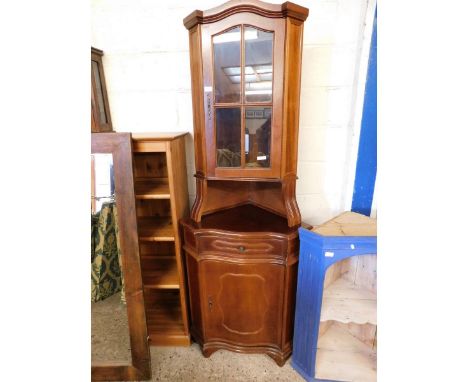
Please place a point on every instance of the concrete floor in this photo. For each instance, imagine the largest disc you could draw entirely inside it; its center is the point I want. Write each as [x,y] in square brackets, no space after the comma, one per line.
[179,364]
[110,340]
[188,364]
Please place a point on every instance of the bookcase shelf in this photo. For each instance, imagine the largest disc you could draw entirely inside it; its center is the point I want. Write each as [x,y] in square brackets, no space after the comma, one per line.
[165,319]
[346,302]
[343,357]
[161,195]
[160,273]
[155,229]
[152,188]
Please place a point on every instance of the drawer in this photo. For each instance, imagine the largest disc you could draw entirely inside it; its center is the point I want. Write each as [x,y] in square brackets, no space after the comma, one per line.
[250,246]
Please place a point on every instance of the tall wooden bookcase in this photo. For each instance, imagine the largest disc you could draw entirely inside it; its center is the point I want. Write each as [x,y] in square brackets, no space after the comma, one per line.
[161,200]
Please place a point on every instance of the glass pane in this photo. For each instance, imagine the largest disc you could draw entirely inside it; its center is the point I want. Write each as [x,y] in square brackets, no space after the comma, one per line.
[226,48]
[100,96]
[257,140]
[258,65]
[110,339]
[228,137]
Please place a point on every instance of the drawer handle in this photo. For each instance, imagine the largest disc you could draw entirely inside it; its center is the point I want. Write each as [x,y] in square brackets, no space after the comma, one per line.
[241,249]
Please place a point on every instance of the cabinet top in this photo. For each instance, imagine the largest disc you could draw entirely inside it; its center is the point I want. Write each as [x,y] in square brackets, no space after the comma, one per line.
[348,224]
[232,7]
[246,218]
[157,136]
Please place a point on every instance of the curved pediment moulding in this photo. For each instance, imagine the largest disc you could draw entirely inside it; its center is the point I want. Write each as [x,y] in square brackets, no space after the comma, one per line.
[232,7]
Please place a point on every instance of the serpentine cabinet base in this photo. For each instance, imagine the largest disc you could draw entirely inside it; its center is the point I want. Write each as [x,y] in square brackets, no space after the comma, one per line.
[242,285]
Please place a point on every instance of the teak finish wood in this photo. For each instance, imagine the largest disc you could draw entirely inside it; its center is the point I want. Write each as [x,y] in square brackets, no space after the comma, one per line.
[96,125]
[241,239]
[261,8]
[208,30]
[160,165]
[286,21]
[120,146]
[242,267]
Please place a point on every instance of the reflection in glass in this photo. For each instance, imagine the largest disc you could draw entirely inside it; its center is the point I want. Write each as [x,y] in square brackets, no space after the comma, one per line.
[258,65]
[100,96]
[226,47]
[257,140]
[110,340]
[228,137]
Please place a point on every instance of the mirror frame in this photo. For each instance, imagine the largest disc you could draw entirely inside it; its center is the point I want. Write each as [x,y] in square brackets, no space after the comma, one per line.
[120,146]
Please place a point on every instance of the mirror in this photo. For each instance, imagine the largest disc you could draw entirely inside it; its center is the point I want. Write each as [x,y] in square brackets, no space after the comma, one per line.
[119,344]
[109,325]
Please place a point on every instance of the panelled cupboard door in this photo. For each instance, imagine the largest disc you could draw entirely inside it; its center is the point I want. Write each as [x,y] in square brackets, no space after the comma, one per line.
[243,87]
[243,302]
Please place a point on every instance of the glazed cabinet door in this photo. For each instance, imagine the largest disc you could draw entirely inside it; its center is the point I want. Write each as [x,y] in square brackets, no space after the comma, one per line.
[243,87]
[242,302]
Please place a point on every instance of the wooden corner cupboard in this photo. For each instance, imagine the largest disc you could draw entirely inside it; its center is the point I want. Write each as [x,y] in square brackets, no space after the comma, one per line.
[336,312]
[161,199]
[241,239]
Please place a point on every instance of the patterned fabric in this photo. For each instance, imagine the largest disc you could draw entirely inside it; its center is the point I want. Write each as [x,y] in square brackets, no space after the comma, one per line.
[227,158]
[106,275]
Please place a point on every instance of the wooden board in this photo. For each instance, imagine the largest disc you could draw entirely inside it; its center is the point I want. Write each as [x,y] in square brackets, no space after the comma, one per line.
[366,271]
[153,207]
[155,229]
[348,224]
[154,137]
[346,302]
[157,188]
[342,357]
[164,319]
[160,273]
[157,249]
[150,165]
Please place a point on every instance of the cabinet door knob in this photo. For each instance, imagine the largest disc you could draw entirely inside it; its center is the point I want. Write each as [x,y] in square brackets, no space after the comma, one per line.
[241,249]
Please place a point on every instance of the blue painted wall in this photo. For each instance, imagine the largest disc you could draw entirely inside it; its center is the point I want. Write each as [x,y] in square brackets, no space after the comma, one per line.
[366,166]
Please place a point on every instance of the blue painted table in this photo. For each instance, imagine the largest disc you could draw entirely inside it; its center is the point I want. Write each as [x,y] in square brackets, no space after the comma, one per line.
[324,247]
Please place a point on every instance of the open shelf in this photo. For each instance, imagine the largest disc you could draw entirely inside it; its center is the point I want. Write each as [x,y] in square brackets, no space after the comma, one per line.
[164,318]
[152,188]
[345,302]
[155,229]
[343,357]
[157,250]
[160,273]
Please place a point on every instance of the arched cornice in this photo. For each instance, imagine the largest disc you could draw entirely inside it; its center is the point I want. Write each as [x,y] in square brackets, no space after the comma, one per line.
[232,7]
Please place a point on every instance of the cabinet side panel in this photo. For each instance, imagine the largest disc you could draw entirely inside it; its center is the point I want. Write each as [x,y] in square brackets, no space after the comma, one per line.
[289,304]
[292,87]
[179,175]
[196,70]
[177,172]
[194,292]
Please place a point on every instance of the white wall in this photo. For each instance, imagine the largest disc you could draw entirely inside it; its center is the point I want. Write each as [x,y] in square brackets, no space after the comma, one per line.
[147,70]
